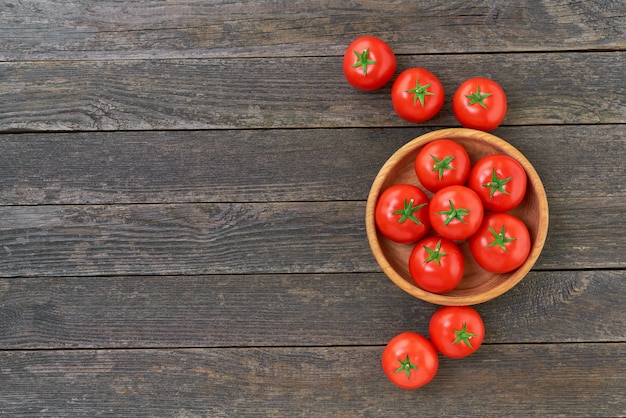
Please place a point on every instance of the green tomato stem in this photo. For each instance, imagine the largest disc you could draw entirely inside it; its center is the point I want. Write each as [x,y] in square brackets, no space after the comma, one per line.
[420,92]
[363,60]
[454,213]
[443,164]
[478,97]
[408,212]
[500,239]
[497,184]
[406,366]
[464,336]
[434,255]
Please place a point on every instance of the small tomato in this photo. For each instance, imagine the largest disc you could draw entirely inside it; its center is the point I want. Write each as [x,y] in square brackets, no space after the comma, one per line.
[417,95]
[455,212]
[501,244]
[369,63]
[401,213]
[500,182]
[436,264]
[479,103]
[410,360]
[442,163]
[456,331]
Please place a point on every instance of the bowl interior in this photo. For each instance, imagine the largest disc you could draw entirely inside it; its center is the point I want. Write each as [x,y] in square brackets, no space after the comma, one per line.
[477,285]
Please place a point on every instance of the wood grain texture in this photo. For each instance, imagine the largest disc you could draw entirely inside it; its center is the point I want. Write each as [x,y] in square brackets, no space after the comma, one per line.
[297,237]
[92,29]
[312,381]
[182,193]
[295,310]
[270,165]
[183,239]
[273,93]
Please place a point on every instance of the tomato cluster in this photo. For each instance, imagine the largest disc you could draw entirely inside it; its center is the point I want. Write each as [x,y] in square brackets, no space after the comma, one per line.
[457,201]
[417,95]
[410,359]
[468,203]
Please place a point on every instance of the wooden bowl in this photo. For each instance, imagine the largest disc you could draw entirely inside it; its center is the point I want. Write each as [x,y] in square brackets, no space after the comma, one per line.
[477,285]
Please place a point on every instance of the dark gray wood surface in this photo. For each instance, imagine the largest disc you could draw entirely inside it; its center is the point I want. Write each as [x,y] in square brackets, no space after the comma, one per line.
[182,193]
[294,92]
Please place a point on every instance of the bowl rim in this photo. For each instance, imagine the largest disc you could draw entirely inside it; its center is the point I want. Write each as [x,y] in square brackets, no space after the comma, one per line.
[444,299]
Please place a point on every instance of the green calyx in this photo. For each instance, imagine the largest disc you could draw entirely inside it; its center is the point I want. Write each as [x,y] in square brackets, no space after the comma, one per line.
[363,60]
[406,366]
[478,97]
[464,336]
[434,255]
[454,213]
[500,239]
[420,92]
[442,165]
[496,184]
[408,212]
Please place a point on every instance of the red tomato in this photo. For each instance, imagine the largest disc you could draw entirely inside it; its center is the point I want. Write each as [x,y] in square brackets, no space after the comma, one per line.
[369,63]
[436,264]
[499,180]
[456,331]
[410,360]
[442,163]
[417,95]
[501,244]
[401,213]
[455,212]
[479,103]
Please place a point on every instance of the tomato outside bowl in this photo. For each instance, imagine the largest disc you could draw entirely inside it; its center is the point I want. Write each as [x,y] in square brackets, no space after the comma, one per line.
[477,285]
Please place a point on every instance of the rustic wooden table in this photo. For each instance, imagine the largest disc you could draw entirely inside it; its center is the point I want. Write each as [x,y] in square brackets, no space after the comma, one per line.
[182,193]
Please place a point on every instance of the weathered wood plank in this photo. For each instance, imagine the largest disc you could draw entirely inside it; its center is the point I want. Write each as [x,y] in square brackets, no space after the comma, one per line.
[241,238]
[303,92]
[571,244]
[290,310]
[183,239]
[94,29]
[198,262]
[506,380]
[271,165]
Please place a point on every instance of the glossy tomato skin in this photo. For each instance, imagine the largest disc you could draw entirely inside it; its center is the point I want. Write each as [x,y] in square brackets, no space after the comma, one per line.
[501,244]
[417,95]
[401,213]
[369,63]
[500,181]
[455,212]
[442,163]
[456,331]
[410,360]
[436,264]
[479,103]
